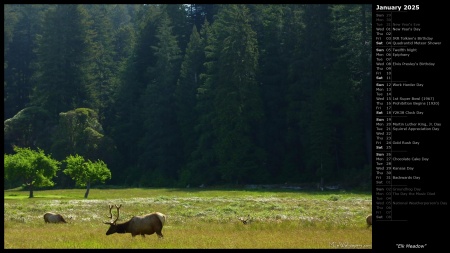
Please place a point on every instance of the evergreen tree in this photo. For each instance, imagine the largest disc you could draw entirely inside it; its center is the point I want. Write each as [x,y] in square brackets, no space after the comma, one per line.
[236,96]
[293,168]
[185,97]
[271,26]
[161,152]
[102,69]
[353,34]
[202,161]
[313,57]
[181,28]
[198,13]
[63,47]
[128,126]
[22,23]
[119,15]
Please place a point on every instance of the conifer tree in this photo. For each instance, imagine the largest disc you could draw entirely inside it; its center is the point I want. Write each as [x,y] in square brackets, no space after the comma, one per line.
[233,65]
[63,48]
[161,151]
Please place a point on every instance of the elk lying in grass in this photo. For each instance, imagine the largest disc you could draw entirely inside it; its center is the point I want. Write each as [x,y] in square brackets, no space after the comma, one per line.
[54,218]
[137,225]
[369,220]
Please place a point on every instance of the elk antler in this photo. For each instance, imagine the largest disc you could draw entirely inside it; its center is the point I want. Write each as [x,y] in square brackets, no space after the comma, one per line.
[118,213]
[110,214]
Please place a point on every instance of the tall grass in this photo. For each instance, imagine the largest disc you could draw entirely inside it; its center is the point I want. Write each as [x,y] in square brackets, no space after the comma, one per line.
[206,219]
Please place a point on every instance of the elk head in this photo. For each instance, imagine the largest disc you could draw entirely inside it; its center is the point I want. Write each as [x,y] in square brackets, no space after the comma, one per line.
[112,224]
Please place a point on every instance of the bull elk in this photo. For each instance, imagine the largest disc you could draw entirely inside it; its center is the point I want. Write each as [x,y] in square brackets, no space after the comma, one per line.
[138,225]
[54,218]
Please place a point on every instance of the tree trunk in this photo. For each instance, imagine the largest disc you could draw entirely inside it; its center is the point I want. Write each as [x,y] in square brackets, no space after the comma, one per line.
[88,186]
[31,191]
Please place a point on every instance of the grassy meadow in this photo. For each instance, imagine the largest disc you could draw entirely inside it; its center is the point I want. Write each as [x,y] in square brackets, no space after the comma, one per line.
[196,219]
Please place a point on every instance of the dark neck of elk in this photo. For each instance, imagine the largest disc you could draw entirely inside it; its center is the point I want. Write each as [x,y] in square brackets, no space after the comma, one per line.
[118,228]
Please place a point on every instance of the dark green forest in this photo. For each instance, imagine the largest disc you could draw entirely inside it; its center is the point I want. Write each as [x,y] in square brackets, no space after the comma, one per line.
[170,95]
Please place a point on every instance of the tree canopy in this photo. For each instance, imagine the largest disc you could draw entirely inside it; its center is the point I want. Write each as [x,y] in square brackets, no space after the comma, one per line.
[32,168]
[86,172]
[178,94]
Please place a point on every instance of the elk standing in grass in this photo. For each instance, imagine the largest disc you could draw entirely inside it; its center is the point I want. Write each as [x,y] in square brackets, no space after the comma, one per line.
[138,225]
[54,218]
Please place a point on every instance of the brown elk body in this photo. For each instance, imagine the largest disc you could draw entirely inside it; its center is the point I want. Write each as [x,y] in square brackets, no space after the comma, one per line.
[138,225]
[54,218]
[369,220]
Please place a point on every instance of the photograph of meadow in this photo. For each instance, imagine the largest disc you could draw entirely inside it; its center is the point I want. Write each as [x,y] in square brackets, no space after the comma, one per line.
[188,126]
[196,219]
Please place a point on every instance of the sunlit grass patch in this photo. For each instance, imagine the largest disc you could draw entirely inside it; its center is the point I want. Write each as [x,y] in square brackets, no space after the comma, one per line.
[200,219]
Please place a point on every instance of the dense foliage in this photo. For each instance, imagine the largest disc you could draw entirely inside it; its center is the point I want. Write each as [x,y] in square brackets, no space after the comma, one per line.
[33,168]
[192,94]
[87,172]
